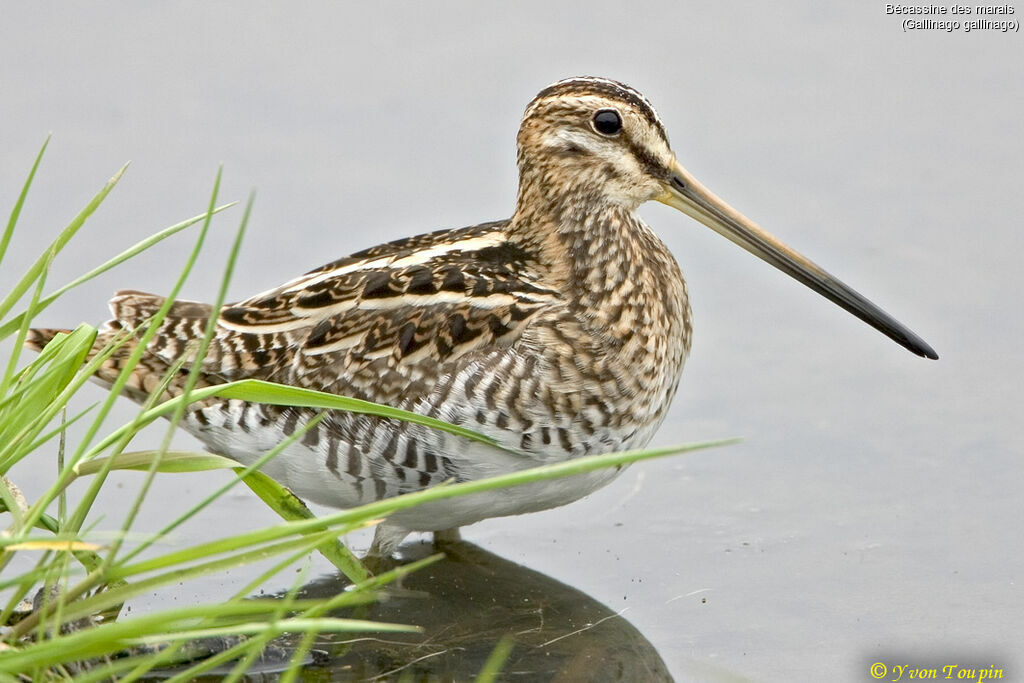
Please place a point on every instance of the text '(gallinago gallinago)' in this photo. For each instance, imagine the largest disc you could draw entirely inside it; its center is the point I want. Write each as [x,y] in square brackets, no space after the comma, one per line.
[558,332]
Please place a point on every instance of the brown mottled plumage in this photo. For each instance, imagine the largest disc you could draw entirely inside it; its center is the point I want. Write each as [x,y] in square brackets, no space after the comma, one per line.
[559,332]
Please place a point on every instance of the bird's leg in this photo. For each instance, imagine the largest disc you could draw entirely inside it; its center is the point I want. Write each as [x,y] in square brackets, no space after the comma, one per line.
[377,564]
[379,558]
[443,537]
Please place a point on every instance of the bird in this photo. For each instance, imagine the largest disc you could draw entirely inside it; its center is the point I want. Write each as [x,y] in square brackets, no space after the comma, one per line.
[559,332]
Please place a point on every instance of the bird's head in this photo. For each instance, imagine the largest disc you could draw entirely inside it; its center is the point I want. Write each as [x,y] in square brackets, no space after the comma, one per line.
[597,138]
[589,142]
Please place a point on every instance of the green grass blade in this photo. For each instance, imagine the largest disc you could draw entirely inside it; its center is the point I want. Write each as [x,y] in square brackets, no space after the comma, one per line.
[12,220]
[290,508]
[239,543]
[172,462]
[496,660]
[589,463]
[321,625]
[12,450]
[23,419]
[112,637]
[258,391]
[14,323]
[12,360]
[62,239]
[59,430]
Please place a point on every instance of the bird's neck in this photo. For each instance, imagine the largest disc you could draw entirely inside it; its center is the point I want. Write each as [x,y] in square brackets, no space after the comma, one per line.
[612,266]
[626,305]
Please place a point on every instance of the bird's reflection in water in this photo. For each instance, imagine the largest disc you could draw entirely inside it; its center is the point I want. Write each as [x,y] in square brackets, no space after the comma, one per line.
[466,603]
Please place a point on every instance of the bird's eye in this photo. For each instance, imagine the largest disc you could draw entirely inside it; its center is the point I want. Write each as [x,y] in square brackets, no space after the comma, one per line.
[607,122]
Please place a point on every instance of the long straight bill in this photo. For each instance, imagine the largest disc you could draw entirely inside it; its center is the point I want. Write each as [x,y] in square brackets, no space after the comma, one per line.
[684,192]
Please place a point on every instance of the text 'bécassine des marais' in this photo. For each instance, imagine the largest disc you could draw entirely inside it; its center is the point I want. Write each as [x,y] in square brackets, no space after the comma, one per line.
[949,9]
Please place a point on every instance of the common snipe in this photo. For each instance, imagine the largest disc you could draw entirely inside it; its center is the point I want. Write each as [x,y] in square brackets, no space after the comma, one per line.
[559,332]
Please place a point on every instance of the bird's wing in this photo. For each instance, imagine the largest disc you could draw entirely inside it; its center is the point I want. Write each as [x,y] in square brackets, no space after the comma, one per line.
[394,314]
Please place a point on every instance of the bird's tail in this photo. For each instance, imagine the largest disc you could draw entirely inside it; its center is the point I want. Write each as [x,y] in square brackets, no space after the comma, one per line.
[148,374]
[37,338]
[228,357]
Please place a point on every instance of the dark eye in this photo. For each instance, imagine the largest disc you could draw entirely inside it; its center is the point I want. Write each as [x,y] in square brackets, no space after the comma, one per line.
[607,122]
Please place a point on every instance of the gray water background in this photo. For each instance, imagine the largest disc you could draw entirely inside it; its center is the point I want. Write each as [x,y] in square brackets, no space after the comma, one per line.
[873,512]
